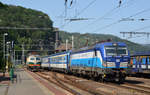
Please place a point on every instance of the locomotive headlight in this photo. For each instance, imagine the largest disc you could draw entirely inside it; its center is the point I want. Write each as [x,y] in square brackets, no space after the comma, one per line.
[104,64]
[111,64]
[123,64]
[114,44]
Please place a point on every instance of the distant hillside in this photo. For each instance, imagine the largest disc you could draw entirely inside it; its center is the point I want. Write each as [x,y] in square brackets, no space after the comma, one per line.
[17,16]
[147,45]
[80,40]
[41,41]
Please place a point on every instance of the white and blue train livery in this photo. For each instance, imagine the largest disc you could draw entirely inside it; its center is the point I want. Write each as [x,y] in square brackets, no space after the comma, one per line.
[59,61]
[105,60]
[45,62]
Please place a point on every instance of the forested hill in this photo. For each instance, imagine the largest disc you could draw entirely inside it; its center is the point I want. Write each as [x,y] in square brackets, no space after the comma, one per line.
[80,40]
[19,17]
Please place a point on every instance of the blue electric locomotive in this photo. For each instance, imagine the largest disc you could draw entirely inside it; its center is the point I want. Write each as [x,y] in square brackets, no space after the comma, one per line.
[106,61]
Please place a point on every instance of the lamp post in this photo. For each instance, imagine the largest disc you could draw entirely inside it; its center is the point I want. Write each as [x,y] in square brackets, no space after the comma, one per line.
[5,34]
[7,54]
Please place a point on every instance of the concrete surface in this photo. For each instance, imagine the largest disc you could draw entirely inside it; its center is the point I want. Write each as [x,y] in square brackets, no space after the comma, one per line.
[24,84]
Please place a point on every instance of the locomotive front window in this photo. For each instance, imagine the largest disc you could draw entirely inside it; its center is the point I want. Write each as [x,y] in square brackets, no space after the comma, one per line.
[31,58]
[110,51]
[114,51]
[121,51]
[37,58]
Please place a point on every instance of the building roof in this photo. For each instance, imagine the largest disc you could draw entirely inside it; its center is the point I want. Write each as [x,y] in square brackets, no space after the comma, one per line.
[62,47]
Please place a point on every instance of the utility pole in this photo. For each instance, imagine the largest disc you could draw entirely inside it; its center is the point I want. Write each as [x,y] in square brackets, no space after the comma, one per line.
[12,52]
[72,42]
[4,69]
[23,53]
[56,37]
[87,41]
[5,34]
[4,46]
[7,54]
[66,44]
[17,59]
[14,58]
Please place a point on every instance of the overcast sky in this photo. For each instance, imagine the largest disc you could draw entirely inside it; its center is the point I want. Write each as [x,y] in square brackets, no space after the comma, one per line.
[104,16]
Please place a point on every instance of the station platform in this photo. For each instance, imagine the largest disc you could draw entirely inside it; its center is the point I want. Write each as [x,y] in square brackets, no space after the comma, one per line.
[24,84]
[4,83]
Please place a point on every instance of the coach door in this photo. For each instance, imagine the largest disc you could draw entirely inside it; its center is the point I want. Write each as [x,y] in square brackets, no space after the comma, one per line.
[144,62]
[148,62]
[137,63]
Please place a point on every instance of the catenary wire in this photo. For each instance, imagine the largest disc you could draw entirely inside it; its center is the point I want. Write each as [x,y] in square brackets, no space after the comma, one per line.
[109,13]
[79,13]
[116,22]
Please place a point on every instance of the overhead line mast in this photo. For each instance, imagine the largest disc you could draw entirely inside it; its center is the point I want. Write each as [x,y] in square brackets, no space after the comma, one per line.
[135,33]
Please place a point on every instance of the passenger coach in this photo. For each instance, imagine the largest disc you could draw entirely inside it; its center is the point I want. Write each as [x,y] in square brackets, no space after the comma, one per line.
[140,62]
[45,62]
[59,61]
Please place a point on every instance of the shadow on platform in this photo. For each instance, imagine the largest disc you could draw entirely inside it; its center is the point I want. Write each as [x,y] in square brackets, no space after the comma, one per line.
[2,78]
[134,81]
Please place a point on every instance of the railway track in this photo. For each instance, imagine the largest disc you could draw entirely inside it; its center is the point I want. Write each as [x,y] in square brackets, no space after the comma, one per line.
[85,88]
[139,88]
[65,81]
[132,87]
[58,83]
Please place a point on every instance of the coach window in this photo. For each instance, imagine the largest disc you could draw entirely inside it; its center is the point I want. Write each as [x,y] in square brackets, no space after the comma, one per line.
[37,58]
[149,60]
[140,59]
[143,59]
[63,58]
[31,58]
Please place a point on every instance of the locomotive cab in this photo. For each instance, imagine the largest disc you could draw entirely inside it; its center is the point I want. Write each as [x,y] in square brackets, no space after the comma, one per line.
[116,57]
[116,61]
[33,62]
